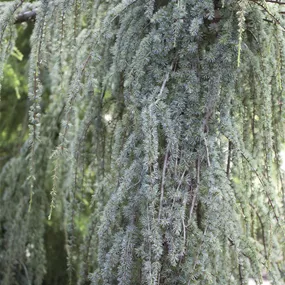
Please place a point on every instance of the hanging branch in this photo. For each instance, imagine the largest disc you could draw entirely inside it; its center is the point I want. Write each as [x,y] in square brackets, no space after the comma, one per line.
[274,18]
[26,16]
[28,11]
[30,15]
[275,2]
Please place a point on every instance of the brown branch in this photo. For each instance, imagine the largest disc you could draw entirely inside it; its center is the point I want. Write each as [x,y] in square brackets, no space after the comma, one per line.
[28,11]
[274,18]
[240,274]
[26,16]
[275,2]
[196,190]
[16,6]
[263,185]
[262,229]
[229,159]
[163,182]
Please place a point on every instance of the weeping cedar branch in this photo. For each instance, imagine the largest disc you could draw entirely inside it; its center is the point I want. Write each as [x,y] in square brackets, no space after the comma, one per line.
[30,15]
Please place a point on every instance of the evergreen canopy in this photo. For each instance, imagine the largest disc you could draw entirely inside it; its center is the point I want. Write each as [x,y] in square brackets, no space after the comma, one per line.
[152,154]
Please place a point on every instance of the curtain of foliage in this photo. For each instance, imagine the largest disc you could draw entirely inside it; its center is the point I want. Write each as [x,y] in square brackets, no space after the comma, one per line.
[153,149]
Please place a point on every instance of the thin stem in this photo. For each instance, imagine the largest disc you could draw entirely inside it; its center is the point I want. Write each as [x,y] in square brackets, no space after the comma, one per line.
[163,182]
[198,165]
[229,159]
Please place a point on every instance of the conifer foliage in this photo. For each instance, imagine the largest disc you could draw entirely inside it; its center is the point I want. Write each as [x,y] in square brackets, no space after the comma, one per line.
[156,159]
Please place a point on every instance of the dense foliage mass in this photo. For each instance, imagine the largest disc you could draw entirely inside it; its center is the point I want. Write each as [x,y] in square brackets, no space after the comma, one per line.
[149,152]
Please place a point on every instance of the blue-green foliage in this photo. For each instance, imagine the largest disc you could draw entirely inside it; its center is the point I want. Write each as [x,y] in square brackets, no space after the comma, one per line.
[164,130]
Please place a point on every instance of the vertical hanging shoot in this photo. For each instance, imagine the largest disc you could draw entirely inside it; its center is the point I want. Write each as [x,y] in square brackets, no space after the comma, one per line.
[242,8]
[37,59]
